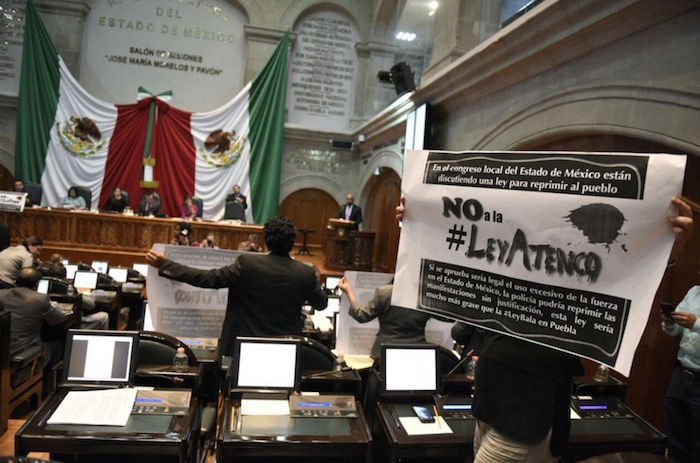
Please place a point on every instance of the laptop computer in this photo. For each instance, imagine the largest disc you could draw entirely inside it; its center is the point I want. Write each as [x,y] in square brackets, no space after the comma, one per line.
[100,266]
[43,287]
[99,359]
[120,274]
[266,367]
[85,281]
[70,271]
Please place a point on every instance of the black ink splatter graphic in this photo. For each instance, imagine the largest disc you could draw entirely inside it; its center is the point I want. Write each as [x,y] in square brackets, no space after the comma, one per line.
[601,223]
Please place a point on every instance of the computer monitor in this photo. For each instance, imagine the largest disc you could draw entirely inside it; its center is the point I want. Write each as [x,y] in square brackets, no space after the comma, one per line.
[141,268]
[70,271]
[85,280]
[400,364]
[65,262]
[43,287]
[100,266]
[100,357]
[266,363]
[120,274]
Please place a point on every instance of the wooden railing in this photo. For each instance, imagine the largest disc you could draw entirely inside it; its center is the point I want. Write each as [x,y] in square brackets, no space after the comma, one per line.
[122,240]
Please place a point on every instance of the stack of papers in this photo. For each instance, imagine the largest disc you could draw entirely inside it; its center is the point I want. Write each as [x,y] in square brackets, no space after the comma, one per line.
[110,407]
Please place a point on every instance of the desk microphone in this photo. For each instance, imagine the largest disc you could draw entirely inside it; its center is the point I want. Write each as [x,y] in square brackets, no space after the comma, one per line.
[464,359]
[173,379]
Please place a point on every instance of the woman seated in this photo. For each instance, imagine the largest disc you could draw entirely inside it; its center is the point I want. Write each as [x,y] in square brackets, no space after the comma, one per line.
[189,209]
[72,201]
[117,201]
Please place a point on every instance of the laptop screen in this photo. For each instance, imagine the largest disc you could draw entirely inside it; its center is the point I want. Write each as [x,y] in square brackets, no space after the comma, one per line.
[100,357]
[43,287]
[333,305]
[332,282]
[85,280]
[266,363]
[100,266]
[399,364]
[119,274]
[141,268]
[70,271]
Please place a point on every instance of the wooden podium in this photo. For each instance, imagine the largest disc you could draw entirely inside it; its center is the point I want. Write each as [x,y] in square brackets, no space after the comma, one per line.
[348,249]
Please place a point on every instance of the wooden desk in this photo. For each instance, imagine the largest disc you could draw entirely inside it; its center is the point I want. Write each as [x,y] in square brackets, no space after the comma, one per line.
[287,439]
[120,239]
[145,438]
[588,437]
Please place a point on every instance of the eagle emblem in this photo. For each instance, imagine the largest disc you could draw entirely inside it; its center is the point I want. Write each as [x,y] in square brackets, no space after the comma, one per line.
[222,149]
[80,136]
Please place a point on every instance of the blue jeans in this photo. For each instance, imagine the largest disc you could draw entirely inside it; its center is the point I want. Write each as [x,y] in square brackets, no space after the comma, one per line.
[683,418]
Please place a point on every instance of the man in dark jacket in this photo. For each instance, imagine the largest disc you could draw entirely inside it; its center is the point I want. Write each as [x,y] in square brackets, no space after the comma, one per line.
[266,291]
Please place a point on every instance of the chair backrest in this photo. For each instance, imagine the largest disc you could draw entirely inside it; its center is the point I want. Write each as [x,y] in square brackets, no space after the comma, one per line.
[448,361]
[57,285]
[157,348]
[125,194]
[315,356]
[86,195]
[200,206]
[106,282]
[234,211]
[34,191]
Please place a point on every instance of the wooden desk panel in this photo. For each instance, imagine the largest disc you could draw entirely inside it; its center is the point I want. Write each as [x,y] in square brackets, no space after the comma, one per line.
[86,236]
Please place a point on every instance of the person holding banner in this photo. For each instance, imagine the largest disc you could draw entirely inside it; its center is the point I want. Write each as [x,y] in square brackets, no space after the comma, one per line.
[396,324]
[265,291]
[522,390]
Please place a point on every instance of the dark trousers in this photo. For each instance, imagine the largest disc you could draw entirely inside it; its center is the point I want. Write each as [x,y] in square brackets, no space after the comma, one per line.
[683,418]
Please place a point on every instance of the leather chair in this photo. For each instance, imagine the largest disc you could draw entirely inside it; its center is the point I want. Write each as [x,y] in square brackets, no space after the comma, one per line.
[86,195]
[20,374]
[234,211]
[35,192]
[157,348]
[200,205]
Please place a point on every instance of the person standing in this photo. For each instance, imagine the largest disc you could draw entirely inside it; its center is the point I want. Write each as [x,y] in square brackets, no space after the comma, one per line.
[396,324]
[12,259]
[683,395]
[351,212]
[512,372]
[238,197]
[266,292]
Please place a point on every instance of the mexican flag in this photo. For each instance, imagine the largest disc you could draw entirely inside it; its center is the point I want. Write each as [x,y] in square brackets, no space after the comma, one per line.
[67,137]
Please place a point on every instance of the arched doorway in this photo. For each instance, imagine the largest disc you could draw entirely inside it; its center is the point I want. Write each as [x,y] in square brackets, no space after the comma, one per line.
[310,208]
[383,192]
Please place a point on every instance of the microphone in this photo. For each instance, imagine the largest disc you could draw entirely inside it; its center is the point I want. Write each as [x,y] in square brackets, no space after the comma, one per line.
[462,361]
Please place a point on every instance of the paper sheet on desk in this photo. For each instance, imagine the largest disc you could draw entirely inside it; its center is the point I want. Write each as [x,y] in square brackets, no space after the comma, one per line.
[110,407]
[264,407]
[414,427]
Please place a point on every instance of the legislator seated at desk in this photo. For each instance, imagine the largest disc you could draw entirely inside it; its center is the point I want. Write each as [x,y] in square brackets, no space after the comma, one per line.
[265,420]
[100,366]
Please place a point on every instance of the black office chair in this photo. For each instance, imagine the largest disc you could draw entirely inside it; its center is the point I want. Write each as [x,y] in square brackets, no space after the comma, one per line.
[86,194]
[157,348]
[234,211]
[315,356]
[135,276]
[57,285]
[106,282]
[35,192]
[200,205]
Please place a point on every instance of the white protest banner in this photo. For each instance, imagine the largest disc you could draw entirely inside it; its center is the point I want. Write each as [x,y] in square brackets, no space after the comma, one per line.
[182,310]
[12,201]
[355,338]
[562,249]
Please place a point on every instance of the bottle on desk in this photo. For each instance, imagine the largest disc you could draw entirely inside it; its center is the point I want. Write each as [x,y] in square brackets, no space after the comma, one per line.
[471,368]
[339,364]
[602,374]
[181,363]
[308,323]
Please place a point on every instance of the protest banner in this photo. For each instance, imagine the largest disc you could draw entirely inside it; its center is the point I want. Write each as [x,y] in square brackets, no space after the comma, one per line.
[565,250]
